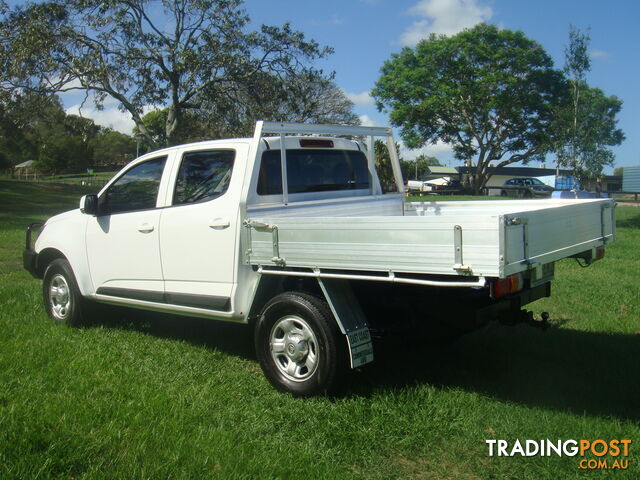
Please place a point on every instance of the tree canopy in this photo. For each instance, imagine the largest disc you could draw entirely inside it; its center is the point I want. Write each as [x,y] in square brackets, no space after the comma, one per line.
[36,127]
[176,55]
[303,98]
[585,126]
[489,93]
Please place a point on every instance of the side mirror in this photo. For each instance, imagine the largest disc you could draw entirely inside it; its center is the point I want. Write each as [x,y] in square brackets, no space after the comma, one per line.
[89,204]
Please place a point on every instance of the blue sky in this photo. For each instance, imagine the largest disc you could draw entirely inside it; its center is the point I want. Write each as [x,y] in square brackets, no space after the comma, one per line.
[364,33]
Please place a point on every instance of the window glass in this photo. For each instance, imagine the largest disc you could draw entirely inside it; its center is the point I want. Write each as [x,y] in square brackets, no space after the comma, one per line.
[203,176]
[137,189]
[313,170]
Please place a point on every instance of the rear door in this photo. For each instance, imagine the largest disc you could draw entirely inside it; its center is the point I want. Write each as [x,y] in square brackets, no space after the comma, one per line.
[198,229]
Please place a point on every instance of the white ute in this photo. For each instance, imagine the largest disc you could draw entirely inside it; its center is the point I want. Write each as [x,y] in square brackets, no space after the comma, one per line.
[292,233]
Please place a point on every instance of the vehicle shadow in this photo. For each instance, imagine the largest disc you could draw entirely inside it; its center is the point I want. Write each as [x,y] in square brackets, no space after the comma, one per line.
[231,338]
[561,369]
[630,222]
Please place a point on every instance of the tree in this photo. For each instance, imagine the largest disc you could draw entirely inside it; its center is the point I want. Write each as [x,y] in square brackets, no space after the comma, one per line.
[112,148]
[196,51]
[489,93]
[577,63]
[586,126]
[418,168]
[35,127]
[192,128]
[305,98]
[383,165]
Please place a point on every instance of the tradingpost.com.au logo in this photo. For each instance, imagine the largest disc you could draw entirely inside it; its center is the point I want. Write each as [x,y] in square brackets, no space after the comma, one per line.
[594,454]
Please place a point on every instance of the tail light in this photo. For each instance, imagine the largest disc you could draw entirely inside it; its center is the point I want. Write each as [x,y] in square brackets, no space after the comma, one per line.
[501,287]
[316,143]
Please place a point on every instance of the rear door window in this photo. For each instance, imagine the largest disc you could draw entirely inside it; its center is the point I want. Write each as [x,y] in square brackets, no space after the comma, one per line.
[203,176]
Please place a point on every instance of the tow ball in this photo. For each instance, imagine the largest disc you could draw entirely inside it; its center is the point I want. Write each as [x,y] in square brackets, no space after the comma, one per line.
[529,319]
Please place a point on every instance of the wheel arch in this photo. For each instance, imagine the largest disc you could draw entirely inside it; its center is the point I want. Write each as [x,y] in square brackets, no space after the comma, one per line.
[343,302]
[271,285]
[45,257]
[77,262]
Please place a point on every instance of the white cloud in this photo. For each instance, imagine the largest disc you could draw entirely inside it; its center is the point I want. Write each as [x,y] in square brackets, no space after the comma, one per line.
[438,150]
[363,99]
[598,54]
[445,17]
[367,121]
[110,116]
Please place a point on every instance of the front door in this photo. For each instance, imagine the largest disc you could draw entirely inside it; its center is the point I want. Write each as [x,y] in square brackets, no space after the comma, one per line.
[123,240]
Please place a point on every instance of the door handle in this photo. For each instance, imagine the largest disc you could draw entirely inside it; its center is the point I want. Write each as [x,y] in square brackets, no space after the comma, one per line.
[219,223]
[146,228]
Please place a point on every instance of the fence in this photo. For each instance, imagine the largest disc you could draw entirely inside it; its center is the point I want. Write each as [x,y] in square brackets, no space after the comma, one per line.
[96,181]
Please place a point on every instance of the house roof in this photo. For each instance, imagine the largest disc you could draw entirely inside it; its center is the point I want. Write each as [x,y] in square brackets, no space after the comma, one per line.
[27,164]
[443,170]
[518,171]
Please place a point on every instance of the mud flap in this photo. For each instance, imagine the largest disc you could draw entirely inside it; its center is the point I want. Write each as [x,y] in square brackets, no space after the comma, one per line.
[351,320]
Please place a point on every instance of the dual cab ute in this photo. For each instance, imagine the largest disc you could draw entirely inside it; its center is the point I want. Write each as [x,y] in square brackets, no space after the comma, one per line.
[291,233]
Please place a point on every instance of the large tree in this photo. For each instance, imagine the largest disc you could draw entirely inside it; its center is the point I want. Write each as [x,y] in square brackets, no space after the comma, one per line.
[302,98]
[489,93]
[35,127]
[586,125]
[174,54]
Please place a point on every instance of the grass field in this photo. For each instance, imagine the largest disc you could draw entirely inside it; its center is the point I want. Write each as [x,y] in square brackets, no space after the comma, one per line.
[148,396]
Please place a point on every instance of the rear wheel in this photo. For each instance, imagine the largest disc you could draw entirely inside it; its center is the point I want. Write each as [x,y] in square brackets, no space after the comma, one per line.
[62,298]
[300,349]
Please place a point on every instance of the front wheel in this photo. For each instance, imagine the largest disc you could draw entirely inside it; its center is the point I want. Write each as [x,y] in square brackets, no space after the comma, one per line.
[62,298]
[299,347]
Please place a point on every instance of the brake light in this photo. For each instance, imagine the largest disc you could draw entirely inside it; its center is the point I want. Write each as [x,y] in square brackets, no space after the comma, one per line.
[310,142]
[501,287]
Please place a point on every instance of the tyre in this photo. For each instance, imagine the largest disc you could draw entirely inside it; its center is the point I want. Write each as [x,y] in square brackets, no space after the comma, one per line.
[503,193]
[298,344]
[62,299]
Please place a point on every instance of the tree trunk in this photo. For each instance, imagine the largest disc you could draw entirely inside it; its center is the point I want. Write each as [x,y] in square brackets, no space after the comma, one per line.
[171,127]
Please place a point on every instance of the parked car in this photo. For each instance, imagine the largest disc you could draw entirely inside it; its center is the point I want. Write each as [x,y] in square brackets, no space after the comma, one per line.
[414,186]
[525,188]
[452,187]
[313,256]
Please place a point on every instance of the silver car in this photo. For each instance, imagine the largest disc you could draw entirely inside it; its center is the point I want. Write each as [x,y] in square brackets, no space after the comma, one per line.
[525,187]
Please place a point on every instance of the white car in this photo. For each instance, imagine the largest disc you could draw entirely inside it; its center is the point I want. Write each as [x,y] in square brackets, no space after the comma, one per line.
[292,233]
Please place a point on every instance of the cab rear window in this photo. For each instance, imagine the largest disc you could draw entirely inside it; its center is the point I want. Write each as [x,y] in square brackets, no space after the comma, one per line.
[313,170]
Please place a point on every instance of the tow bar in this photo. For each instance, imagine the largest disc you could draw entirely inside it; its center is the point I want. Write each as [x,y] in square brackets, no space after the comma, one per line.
[526,316]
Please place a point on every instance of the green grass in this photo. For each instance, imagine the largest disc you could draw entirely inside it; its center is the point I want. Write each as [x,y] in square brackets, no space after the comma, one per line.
[148,396]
